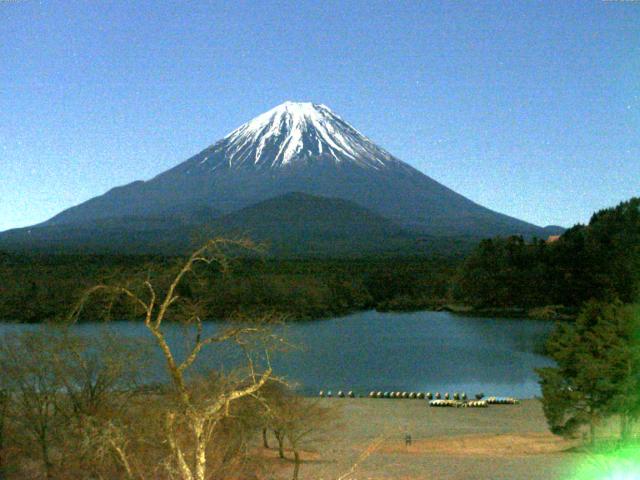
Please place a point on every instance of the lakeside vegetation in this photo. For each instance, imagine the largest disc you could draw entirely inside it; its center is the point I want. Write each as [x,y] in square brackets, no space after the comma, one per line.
[599,261]
[501,276]
[43,287]
[597,371]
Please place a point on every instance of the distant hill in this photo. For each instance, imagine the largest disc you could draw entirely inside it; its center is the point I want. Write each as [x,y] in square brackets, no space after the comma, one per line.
[299,223]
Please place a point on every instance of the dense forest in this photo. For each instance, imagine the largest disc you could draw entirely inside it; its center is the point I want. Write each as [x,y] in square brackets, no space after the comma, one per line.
[600,260]
[36,288]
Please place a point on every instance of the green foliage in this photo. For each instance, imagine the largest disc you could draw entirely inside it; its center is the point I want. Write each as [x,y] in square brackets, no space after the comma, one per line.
[599,261]
[612,246]
[37,288]
[598,368]
[505,272]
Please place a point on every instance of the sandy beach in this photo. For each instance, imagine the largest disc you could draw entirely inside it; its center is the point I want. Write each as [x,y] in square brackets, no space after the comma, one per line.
[508,442]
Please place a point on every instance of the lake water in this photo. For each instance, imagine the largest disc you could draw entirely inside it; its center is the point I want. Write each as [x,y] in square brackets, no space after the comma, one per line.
[418,351]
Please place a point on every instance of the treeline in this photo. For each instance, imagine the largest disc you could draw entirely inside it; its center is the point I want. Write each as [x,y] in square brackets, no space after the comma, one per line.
[599,261]
[35,288]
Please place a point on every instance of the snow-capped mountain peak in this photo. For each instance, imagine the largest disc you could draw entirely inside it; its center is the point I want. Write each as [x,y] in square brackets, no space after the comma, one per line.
[294,147]
[293,132]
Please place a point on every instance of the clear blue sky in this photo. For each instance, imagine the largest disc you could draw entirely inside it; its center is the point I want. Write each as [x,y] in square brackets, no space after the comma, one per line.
[529,108]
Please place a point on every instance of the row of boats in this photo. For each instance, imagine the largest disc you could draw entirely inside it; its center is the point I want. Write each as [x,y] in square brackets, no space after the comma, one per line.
[475,403]
[435,399]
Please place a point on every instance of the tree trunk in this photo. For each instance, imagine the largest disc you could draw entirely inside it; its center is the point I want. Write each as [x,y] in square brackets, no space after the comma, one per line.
[201,453]
[280,438]
[592,432]
[265,440]
[48,466]
[296,465]
[183,467]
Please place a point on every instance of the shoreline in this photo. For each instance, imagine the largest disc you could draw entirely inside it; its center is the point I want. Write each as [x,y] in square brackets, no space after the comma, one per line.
[551,313]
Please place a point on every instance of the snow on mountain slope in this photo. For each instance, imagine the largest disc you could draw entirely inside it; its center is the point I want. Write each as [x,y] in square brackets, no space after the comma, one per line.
[295,131]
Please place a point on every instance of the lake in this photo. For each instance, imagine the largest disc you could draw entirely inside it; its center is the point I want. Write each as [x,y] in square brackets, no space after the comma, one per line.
[418,351]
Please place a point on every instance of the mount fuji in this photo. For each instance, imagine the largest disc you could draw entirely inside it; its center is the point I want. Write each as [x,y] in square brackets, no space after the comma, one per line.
[294,147]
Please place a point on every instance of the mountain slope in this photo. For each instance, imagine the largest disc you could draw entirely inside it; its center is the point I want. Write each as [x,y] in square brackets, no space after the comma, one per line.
[291,224]
[301,147]
[169,231]
[298,223]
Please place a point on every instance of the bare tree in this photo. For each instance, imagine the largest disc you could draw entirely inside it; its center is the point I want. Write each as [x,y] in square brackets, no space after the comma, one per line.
[294,419]
[33,390]
[56,383]
[191,419]
[306,420]
[274,396]
[98,378]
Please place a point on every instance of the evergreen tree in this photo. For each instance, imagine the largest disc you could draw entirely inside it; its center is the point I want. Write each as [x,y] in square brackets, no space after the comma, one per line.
[624,352]
[597,372]
[600,260]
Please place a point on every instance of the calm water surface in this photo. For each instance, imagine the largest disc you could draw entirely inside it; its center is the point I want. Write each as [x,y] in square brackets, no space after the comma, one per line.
[419,351]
